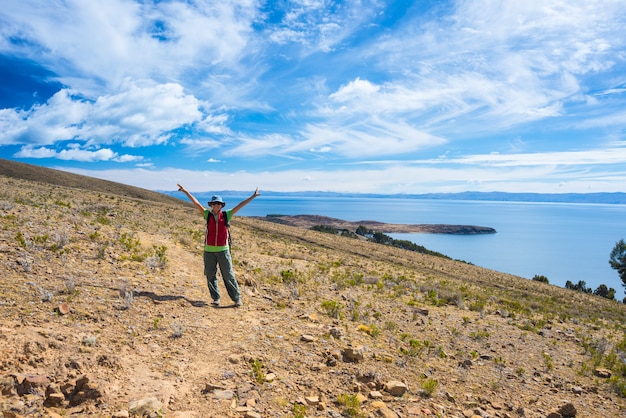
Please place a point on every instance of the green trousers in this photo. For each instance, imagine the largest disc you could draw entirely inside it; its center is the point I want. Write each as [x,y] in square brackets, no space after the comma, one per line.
[225,262]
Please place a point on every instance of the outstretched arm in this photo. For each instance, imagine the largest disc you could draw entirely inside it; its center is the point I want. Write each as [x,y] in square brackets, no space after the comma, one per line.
[245,202]
[192,198]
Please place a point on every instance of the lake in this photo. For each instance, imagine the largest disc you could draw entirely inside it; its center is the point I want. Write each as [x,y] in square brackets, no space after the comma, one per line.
[562,241]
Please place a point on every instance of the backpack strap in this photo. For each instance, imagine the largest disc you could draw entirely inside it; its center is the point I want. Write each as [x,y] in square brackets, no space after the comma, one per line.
[227,224]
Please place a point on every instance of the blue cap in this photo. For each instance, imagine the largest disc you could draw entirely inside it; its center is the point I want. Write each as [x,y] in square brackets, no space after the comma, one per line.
[217,199]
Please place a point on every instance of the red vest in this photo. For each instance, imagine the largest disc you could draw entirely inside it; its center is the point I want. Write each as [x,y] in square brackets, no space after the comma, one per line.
[216,233]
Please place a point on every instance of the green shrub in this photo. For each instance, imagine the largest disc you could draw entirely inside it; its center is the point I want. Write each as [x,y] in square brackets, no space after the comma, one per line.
[299,410]
[429,386]
[288,276]
[351,405]
[332,308]
[257,371]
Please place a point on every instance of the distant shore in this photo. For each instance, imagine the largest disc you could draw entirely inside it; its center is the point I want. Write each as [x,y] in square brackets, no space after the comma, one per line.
[309,221]
[618,198]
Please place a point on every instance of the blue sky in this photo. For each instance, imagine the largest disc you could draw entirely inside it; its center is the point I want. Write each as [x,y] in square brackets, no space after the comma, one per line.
[357,96]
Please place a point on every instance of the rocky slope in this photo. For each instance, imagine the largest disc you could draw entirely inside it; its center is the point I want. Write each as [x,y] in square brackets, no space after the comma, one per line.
[103,312]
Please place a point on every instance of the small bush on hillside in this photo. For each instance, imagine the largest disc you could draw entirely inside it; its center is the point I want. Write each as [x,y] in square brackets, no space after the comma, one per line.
[257,372]
[299,410]
[156,257]
[429,386]
[288,276]
[332,308]
[351,405]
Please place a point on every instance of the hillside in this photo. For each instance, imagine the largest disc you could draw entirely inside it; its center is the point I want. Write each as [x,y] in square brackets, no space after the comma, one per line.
[105,313]
[17,170]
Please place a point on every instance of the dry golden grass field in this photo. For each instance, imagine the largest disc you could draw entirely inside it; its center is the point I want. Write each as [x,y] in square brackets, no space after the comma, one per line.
[104,311]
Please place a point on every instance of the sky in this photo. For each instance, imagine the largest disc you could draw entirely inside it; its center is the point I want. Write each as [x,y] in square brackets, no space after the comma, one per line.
[364,96]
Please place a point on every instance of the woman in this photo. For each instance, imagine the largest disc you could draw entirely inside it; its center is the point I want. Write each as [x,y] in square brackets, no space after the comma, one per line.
[216,248]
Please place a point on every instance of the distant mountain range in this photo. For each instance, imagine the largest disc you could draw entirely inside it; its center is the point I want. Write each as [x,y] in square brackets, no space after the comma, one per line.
[600,198]
[16,169]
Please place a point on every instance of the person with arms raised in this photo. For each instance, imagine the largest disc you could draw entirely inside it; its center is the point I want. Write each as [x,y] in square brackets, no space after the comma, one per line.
[216,245]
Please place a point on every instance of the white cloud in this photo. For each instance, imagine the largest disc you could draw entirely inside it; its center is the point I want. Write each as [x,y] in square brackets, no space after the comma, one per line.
[33,152]
[123,38]
[563,158]
[141,116]
[355,90]
[371,137]
[506,62]
[320,25]
[74,153]
[267,144]
[322,149]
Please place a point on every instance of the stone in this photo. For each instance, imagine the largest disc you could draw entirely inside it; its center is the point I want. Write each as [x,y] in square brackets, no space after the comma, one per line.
[63,308]
[210,387]
[307,338]
[32,384]
[413,411]
[353,354]
[144,407]
[396,388]
[577,390]
[223,394]
[497,406]
[568,410]
[54,400]
[385,412]
[375,394]
[603,373]
[251,414]
[422,311]
[467,363]
[336,333]
[234,359]
[84,390]
[7,386]
[480,413]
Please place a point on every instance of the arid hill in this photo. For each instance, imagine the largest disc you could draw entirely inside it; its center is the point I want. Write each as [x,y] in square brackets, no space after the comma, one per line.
[104,312]
[17,170]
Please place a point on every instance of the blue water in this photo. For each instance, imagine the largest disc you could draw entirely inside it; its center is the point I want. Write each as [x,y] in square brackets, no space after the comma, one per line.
[561,241]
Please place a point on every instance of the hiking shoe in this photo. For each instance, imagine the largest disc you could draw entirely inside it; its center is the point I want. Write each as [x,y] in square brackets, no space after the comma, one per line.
[216,302]
[238,303]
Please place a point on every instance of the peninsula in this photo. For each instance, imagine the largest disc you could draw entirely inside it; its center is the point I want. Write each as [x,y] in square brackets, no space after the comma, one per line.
[309,221]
